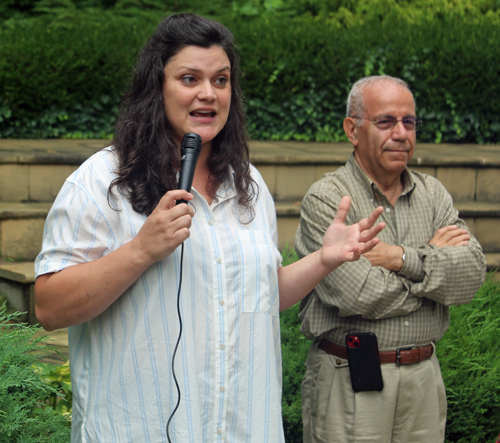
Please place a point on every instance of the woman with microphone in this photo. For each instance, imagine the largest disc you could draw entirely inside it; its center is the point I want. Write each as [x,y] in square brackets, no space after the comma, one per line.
[110,266]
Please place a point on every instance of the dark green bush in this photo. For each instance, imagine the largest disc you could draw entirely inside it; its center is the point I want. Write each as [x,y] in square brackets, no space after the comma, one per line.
[24,415]
[62,72]
[470,363]
[294,347]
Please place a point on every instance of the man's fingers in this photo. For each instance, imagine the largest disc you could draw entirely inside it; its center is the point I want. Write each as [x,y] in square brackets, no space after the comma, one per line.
[449,236]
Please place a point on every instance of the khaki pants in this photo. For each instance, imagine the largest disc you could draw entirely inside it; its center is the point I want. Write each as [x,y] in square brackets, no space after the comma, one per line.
[410,409]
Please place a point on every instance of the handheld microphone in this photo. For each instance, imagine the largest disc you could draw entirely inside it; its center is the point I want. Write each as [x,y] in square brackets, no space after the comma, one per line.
[190,151]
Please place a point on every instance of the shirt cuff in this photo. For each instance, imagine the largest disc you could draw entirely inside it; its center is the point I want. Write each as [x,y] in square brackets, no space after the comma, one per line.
[413,265]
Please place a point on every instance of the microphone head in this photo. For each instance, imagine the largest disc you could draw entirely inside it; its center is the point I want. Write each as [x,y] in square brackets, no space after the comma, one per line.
[191,141]
[190,151]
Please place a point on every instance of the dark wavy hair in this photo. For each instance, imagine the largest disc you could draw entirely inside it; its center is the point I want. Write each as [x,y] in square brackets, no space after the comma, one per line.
[148,155]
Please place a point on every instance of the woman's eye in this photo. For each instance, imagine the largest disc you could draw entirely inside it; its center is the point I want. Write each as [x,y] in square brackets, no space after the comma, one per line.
[188,79]
[222,81]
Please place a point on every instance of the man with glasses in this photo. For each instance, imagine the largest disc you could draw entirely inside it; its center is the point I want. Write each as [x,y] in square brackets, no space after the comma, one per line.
[400,291]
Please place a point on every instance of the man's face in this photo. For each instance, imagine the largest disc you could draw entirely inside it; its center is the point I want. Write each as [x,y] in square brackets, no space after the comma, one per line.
[384,153]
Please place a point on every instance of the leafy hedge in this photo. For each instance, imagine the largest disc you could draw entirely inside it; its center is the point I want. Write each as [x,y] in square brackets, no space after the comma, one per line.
[62,72]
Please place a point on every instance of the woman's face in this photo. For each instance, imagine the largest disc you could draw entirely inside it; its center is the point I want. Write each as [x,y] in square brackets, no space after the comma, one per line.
[197,92]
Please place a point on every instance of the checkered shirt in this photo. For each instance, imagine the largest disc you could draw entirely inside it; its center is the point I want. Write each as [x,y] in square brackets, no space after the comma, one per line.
[409,307]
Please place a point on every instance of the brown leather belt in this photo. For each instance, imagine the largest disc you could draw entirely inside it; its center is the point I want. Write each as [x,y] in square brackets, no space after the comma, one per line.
[401,356]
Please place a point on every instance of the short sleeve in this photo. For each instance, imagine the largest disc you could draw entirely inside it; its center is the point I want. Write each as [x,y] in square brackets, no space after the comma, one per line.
[76,231]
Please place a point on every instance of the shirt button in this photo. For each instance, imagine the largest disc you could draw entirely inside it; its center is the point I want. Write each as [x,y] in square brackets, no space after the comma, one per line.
[222,388]
[407,323]
[222,347]
[221,302]
[387,210]
[210,223]
[219,260]
[219,431]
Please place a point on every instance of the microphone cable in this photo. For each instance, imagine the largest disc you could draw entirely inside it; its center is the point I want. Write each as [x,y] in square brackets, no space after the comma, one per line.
[177,345]
[190,152]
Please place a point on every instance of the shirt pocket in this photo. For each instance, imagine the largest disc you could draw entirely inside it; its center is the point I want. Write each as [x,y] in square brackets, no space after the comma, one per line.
[257,279]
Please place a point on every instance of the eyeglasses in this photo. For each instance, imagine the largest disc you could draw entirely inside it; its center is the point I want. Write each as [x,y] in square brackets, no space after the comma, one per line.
[386,123]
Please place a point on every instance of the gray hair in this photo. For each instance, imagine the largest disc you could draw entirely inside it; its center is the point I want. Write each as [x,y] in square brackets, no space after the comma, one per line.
[355,104]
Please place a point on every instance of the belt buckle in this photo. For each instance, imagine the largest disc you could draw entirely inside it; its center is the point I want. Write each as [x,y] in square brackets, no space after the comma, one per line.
[398,356]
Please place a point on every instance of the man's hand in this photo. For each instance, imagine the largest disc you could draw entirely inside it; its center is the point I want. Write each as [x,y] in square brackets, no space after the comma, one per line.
[450,236]
[346,243]
[387,256]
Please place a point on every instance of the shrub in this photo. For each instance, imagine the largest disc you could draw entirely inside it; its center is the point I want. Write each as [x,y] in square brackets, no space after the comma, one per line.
[294,348]
[470,364]
[24,416]
[62,72]
[59,378]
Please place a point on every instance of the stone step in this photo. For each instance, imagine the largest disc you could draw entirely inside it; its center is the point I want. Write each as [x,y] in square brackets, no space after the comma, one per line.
[58,341]
[469,172]
[16,284]
[21,226]
[482,218]
[493,261]
[34,170]
[21,229]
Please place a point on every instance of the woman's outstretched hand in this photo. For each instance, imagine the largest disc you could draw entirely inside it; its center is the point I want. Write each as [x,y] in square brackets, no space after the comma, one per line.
[343,243]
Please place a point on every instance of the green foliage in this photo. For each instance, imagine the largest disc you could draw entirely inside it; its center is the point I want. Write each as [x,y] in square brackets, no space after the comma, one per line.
[57,78]
[63,70]
[298,90]
[59,378]
[294,348]
[24,417]
[470,363]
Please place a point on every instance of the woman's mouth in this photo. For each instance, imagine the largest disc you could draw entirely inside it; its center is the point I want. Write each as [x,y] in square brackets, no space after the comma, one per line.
[203,114]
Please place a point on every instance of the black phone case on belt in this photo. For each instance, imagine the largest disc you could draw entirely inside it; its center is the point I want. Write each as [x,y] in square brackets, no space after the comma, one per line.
[364,362]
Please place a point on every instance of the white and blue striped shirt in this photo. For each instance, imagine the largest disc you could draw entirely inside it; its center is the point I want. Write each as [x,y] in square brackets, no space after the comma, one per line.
[229,359]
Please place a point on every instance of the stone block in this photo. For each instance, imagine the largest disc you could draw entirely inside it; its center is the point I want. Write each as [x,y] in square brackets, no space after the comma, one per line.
[45,181]
[488,185]
[322,170]
[292,182]
[21,238]
[14,183]
[486,232]
[268,173]
[424,170]
[471,223]
[460,182]
[287,227]
[17,285]
[20,297]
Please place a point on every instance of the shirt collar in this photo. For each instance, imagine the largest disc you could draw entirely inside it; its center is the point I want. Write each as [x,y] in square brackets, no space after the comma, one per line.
[408,181]
[227,188]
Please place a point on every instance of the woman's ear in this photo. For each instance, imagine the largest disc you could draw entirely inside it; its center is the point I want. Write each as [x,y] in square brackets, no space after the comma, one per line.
[351,130]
